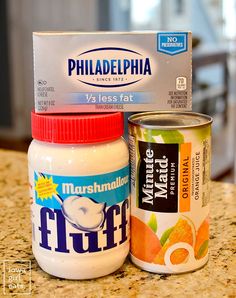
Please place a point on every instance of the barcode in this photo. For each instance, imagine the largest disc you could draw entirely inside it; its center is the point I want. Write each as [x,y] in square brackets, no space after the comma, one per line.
[205,162]
[132,155]
[206,173]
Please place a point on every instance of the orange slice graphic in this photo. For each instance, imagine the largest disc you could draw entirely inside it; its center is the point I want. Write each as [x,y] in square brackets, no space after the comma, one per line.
[144,242]
[201,246]
[183,231]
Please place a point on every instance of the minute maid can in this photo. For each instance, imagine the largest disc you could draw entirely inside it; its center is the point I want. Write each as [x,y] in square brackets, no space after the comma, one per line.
[170,190]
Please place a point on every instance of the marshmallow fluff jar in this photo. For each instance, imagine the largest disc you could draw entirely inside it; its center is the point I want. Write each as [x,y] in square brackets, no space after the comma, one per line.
[79,188]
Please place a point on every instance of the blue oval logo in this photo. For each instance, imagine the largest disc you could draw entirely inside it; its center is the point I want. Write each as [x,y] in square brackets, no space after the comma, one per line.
[109,67]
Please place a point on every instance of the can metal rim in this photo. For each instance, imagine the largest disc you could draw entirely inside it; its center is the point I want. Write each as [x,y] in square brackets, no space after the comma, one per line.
[198,120]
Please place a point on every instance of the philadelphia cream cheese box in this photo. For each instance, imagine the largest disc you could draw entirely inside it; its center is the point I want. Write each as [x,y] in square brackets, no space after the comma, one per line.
[112,71]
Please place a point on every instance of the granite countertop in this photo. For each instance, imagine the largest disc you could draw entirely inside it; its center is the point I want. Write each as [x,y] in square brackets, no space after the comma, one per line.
[216,279]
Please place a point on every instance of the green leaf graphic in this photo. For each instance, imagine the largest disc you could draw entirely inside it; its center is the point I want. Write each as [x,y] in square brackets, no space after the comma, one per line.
[203,133]
[166,235]
[156,132]
[202,249]
[152,223]
[172,137]
[169,137]
[147,134]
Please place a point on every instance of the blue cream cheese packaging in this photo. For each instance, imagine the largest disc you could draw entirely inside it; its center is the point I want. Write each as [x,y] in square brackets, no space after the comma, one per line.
[112,71]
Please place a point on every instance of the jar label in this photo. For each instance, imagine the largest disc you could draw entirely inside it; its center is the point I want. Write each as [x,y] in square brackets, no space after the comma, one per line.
[80,214]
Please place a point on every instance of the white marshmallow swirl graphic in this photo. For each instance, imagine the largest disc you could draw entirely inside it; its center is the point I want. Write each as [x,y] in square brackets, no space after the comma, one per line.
[84,213]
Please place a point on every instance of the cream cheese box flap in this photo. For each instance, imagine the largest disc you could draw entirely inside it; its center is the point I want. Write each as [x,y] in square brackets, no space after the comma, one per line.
[111,71]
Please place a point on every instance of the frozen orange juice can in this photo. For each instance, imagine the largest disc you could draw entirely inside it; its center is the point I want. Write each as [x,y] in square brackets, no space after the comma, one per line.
[170,174]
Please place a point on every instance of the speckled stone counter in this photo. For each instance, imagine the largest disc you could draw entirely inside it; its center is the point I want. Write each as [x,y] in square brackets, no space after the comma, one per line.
[216,279]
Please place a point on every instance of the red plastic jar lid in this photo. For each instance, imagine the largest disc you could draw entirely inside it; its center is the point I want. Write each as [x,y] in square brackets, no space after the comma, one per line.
[77,128]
